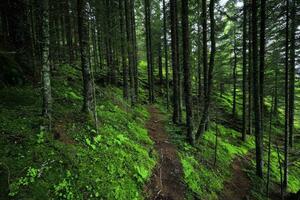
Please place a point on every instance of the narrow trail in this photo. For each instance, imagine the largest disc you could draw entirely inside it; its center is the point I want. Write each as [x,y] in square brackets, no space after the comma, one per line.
[238,187]
[166,181]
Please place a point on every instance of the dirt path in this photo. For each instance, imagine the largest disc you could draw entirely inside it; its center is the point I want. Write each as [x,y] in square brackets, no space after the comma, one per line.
[239,186]
[166,181]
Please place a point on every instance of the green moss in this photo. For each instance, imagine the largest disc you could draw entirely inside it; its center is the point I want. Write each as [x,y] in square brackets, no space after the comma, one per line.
[111,164]
[204,179]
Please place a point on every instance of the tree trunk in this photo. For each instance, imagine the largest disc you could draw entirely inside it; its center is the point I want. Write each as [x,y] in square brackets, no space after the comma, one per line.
[69,31]
[46,76]
[270,145]
[82,7]
[244,129]
[256,95]
[124,63]
[175,64]
[234,77]
[292,74]
[160,70]
[204,42]
[130,50]
[166,53]
[207,101]
[187,71]
[199,59]
[149,50]
[135,50]
[250,73]
[262,58]
[287,94]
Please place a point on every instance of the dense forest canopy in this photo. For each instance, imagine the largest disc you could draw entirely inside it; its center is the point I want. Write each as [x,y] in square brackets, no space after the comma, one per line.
[152,99]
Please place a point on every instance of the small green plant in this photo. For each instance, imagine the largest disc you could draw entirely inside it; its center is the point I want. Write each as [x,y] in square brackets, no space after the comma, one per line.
[30,178]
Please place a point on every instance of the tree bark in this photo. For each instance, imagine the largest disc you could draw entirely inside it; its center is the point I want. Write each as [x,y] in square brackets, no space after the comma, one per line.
[234,73]
[82,7]
[292,73]
[250,73]
[166,53]
[135,49]
[130,50]
[123,52]
[175,64]
[262,58]
[244,129]
[204,43]
[160,66]
[287,95]
[256,95]
[207,101]
[69,31]
[187,70]
[46,75]
[149,50]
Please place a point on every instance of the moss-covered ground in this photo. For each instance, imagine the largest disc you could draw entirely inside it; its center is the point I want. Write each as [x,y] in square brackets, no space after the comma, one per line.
[74,161]
[205,178]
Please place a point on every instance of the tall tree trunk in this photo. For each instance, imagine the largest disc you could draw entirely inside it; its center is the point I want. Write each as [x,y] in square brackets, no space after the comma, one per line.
[270,145]
[33,41]
[149,50]
[199,59]
[135,50]
[250,73]
[256,95]
[46,76]
[175,64]
[292,73]
[130,50]
[160,70]
[276,89]
[234,73]
[244,129]
[69,31]
[83,19]
[204,43]
[287,95]
[187,71]
[124,63]
[262,58]
[207,101]
[166,53]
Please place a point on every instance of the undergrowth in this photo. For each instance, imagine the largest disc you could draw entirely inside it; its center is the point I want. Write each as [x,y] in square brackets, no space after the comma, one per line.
[74,161]
[203,176]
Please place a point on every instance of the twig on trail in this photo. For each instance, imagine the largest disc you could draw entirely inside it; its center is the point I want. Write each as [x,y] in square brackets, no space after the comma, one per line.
[157,195]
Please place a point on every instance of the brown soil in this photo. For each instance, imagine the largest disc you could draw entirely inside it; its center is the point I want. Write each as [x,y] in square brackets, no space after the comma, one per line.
[239,186]
[166,181]
[59,133]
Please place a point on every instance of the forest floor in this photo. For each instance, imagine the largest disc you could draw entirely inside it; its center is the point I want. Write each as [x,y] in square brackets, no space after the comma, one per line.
[238,187]
[167,180]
